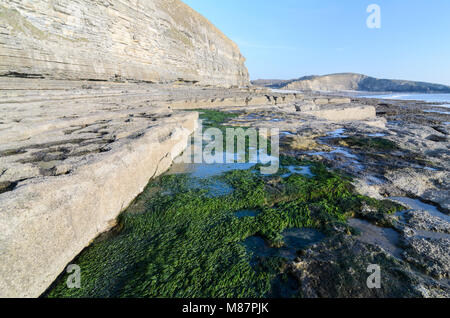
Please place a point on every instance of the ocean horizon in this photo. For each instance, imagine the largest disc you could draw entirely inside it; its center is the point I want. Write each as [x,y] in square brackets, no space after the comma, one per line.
[440,99]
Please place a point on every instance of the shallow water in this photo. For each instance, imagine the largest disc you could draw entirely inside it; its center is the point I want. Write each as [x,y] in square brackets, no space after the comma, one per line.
[340,150]
[388,239]
[377,135]
[338,133]
[436,111]
[276,120]
[287,133]
[247,213]
[285,91]
[337,150]
[303,170]
[205,170]
[295,239]
[259,247]
[415,204]
[432,235]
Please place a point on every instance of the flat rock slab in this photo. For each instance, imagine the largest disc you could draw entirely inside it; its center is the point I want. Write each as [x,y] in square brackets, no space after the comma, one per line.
[74,154]
[344,112]
[69,164]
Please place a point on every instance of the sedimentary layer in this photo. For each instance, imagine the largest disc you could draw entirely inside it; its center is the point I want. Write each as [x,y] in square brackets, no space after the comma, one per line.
[353,82]
[152,40]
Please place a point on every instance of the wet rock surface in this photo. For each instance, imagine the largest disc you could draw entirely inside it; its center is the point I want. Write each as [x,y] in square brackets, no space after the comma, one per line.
[404,152]
[338,269]
[423,220]
[430,254]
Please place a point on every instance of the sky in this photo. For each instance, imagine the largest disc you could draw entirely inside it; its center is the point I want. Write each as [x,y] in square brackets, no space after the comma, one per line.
[287,39]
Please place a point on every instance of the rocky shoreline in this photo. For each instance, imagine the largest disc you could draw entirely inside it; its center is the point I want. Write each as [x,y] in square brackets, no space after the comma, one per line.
[383,154]
[98,99]
[129,130]
[74,154]
[405,153]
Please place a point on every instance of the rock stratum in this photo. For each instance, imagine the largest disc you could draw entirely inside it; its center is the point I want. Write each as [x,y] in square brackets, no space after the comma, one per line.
[75,154]
[152,40]
[352,82]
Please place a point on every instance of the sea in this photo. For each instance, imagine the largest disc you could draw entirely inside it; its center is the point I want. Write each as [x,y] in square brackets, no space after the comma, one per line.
[442,100]
[437,99]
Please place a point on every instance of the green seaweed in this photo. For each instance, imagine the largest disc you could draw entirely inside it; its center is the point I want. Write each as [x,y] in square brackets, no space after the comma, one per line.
[371,143]
[182,243]
[177,241]
[218,119]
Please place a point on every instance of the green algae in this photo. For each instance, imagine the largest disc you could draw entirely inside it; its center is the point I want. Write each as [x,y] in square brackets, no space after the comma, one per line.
[182,243]
[371,143]
[216,119]
[176,240]
[219,120]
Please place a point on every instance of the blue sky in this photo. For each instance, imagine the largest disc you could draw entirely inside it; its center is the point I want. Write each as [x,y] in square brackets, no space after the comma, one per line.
[292,38]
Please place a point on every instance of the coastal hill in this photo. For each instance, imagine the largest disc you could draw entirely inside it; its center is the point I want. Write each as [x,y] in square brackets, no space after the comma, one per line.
[152,41]
[352,82]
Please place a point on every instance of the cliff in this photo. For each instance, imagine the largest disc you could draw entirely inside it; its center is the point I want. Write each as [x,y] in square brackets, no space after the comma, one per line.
[353,82]
[152,40]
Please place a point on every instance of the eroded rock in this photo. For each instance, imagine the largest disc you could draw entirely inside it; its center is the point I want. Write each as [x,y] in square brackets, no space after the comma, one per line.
[338,269]
[431,255]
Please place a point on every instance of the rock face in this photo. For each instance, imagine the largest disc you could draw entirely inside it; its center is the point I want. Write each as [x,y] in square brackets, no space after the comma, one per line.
[335,82]
[74,154]
[152,40]
[353,82]
[73,163]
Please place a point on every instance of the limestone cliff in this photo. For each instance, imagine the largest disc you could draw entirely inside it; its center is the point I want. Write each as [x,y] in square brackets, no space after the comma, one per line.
[353,82]
[144,40]
[335,82]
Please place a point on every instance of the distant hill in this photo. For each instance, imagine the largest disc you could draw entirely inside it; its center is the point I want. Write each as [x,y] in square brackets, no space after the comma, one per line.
[352,82]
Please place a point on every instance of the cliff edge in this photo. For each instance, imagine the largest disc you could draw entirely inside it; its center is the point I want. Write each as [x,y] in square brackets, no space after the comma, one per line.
[152,40]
